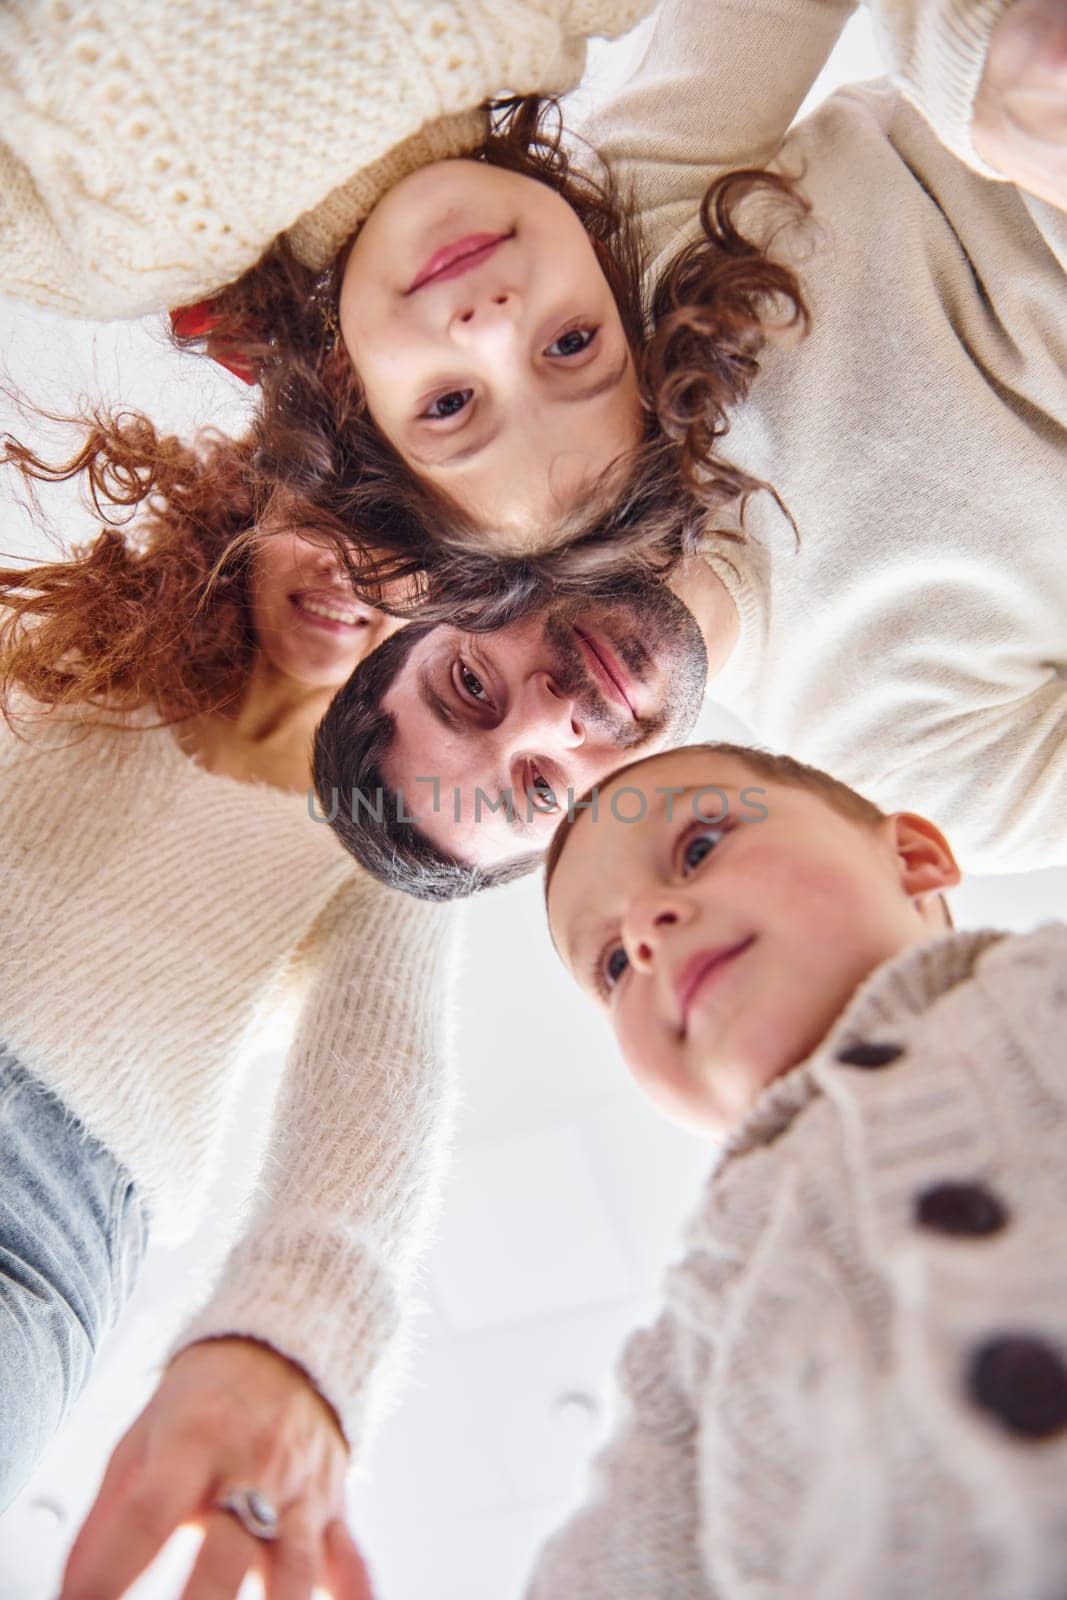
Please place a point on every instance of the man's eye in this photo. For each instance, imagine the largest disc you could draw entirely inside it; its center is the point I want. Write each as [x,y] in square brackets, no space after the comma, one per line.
[448,405]
[542,795]
[474,686]
[572,343]
[698,846]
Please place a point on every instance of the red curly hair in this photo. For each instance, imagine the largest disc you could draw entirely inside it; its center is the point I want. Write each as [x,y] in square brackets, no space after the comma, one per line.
[154,611]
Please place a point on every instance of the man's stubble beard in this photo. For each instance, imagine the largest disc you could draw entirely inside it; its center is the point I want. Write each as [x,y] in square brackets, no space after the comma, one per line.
[650,628]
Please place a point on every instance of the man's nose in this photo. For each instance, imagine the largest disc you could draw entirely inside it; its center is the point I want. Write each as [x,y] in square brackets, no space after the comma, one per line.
[651,922]
[547,716]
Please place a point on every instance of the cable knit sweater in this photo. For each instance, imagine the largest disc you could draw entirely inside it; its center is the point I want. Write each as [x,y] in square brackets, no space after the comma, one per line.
[858,1386]
[151,914]
[149,153]
[914,641]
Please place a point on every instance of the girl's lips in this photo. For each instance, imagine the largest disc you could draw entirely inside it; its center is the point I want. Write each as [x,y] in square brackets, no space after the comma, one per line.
[700,972]
[606,666]
[462,256]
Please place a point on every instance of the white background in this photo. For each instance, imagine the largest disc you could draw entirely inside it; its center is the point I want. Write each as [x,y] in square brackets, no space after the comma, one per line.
[566,1193]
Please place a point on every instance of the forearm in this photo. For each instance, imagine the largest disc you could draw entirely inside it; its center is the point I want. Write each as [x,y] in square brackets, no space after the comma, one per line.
[352,1174]
[717,87]
[936,51]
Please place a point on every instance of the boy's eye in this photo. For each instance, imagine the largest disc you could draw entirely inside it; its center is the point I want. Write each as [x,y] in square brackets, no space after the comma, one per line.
[610,968]
[448,405]
[698,846]
[572,343]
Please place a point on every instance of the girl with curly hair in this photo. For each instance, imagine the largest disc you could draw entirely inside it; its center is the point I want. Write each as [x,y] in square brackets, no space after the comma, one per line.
[445,313]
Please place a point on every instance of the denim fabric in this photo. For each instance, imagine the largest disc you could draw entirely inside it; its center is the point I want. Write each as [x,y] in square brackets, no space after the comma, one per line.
[72,1234]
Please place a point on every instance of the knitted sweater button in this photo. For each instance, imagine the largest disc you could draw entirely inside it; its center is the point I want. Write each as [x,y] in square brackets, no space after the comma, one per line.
[968,1210]
[1022,1381]
[869,1054]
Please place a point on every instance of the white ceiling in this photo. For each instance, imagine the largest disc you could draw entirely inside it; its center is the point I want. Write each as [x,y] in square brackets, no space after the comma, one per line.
[566,1191]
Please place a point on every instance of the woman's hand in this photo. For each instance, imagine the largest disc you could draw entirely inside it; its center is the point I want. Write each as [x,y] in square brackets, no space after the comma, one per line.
[228,1413]
[1020,112]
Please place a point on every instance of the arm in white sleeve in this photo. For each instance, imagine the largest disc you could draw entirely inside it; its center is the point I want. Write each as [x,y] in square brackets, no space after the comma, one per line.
[717,87]
[638,1535]
[721,81]
[357,1149]
[936,51]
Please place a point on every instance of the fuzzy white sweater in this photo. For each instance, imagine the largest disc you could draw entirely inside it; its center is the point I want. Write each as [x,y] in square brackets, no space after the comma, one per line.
[152,916]
[858,1385]
[150,152]
[914,642]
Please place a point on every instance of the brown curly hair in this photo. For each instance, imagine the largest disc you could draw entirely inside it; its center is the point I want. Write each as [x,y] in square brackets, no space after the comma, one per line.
[154,612]
[696,336]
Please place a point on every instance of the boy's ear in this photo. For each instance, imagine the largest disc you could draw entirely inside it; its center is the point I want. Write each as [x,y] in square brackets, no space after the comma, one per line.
[927,865]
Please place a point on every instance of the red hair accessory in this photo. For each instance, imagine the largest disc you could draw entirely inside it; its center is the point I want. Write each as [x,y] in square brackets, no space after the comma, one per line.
[196,322]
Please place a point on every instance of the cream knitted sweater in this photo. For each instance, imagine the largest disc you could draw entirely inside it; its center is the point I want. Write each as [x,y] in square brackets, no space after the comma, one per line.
[151,914]
[858,1386]
[915,641]
[150,152]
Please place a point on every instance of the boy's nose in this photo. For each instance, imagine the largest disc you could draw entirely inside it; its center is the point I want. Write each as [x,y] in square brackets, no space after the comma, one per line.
[648,924]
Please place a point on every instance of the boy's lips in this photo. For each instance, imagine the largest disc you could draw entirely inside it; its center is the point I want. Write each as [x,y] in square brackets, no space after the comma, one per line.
[463,255]
[700,972]
[607,669]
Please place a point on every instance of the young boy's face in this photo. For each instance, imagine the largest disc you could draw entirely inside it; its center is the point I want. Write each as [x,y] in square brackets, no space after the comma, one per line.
[723,950]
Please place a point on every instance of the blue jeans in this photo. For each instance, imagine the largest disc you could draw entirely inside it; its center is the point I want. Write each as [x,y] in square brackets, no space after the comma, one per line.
[72,1234]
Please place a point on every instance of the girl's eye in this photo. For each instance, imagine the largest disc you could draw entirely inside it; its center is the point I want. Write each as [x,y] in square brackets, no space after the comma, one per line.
[572,343]
[448,405]
[542,796]
[698,845]
[474,686]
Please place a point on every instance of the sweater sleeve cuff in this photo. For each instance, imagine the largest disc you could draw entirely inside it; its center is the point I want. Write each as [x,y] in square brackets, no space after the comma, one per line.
[322,1300]
[941,72]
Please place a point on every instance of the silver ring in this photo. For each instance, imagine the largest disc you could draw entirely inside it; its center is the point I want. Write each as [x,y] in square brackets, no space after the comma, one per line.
[253,1511]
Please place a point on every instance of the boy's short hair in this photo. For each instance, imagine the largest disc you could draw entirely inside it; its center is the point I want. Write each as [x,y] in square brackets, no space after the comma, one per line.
[848,802]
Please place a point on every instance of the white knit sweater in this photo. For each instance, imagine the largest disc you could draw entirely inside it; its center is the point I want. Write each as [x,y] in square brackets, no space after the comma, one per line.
[915,641]
[858,1386]
[150,152]
[151,914]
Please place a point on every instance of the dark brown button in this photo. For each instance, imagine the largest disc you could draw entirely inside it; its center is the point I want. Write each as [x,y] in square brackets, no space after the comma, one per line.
[1022,1381]
[869,1054]
[968,1210]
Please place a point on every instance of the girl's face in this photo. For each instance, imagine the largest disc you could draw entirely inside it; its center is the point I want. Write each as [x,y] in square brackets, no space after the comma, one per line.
[307,622]
[489,345]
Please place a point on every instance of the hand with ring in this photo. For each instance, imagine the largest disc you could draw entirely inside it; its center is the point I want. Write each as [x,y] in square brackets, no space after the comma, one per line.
[235,1439]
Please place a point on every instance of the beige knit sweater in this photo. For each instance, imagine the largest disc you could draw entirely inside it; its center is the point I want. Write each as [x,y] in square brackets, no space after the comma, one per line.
[151,914]
[915,641]
[150,151]
[858,1386]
